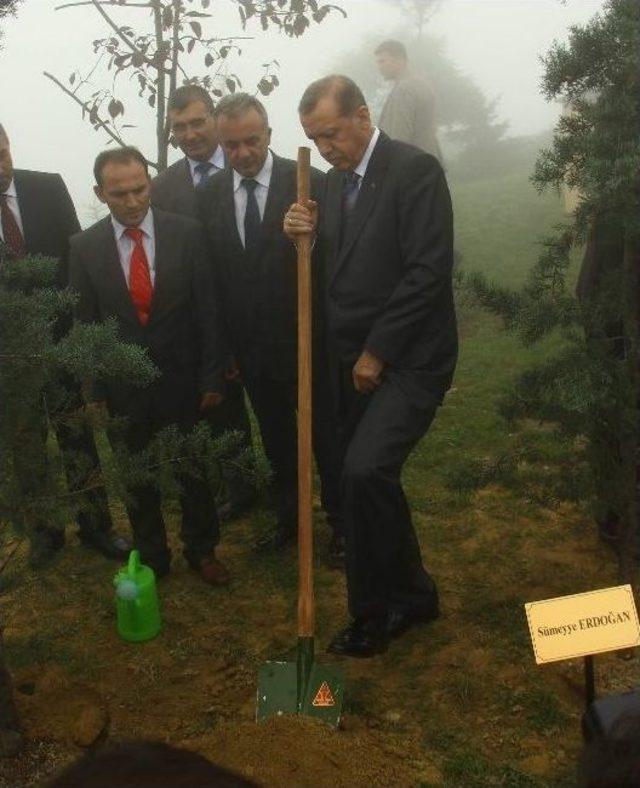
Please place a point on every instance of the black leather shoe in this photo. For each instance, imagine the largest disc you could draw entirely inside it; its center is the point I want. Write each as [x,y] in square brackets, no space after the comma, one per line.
[277,539]
[362,638]
[337,551]
[399,621]
[108,545]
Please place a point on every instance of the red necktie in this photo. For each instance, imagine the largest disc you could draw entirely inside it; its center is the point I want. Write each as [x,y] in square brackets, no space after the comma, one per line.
[10,229]
[140,285]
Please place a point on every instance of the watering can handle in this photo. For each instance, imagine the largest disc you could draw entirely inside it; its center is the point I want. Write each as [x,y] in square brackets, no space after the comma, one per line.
[134,562]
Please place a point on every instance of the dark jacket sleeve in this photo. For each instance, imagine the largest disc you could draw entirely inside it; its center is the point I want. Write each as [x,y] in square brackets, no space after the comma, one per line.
[86,309]
[425,241]
[208,316]
[67,222]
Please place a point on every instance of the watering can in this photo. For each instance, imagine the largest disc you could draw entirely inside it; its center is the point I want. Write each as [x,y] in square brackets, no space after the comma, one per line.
[137,601]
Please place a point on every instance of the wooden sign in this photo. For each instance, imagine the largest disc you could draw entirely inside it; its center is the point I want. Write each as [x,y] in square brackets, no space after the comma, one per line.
[582,624]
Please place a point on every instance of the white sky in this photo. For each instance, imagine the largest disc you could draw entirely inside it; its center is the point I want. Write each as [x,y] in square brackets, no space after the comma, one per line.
[497,42]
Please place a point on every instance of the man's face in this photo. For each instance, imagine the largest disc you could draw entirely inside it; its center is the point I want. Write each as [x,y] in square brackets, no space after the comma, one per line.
[389,66]
[125,190]
[340,139]
[194,131]
[245,139]
[6,164]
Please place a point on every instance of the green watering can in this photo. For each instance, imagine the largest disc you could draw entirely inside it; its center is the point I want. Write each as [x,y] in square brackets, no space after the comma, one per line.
[137,601]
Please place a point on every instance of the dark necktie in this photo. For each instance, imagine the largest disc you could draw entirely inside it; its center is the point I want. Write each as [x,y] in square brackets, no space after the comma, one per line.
[11,233]
[252,219]
[350,191]
[204,170]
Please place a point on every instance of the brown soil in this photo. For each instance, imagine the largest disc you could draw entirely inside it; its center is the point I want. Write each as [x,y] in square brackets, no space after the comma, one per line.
[463,687]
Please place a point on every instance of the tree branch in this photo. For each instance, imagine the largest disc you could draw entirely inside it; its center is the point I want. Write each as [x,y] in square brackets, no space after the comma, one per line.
[100,123]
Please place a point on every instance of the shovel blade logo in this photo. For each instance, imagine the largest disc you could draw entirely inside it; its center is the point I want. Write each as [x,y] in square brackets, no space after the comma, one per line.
[323,696]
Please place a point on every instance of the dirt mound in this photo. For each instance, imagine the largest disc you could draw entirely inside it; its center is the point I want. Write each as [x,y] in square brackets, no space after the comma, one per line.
[304,752]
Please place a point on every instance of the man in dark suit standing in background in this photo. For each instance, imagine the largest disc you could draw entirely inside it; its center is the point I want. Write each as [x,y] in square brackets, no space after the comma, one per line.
[147,270]
[386,230]
[38,218]
[193,129]
[256,269]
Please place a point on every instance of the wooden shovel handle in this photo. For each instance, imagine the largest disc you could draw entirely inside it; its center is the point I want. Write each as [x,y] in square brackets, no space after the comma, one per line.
[305,474]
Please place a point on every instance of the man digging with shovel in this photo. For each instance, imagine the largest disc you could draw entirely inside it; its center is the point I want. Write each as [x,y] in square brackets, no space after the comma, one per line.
[386,232]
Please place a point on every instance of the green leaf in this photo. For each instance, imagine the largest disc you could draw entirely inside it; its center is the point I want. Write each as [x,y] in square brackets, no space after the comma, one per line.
[197,28]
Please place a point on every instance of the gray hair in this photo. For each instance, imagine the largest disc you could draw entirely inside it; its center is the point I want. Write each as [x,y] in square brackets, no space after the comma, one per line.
[236,104]
[3,134]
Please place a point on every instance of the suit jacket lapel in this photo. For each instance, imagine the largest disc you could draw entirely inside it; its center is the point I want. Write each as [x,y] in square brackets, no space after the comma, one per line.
[229,207]
[273,206]
[187,189]
[369,190]
[29,209]
[333,219]
[113,274]
[167,260]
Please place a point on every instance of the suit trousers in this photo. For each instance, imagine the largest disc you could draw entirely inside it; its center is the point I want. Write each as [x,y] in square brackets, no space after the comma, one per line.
[231,415]
[383,562]
[275,405]
[199,528]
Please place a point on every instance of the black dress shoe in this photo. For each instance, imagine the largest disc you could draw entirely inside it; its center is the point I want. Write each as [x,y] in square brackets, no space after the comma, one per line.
[399,621]
[108,545]
[337,551]
[274,540]
[362,638]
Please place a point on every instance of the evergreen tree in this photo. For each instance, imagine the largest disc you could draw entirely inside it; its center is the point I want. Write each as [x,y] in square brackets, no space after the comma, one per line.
[589,388]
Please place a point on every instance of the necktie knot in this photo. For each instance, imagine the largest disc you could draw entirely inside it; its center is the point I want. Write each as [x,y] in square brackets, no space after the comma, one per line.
[135,233]
[352,178]
[204,170]
[249,184]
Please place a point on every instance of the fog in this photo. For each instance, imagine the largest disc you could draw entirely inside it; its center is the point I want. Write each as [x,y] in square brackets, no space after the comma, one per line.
[496,42]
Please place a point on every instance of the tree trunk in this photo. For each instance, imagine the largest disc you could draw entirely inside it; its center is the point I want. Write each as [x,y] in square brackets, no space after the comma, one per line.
[10,737]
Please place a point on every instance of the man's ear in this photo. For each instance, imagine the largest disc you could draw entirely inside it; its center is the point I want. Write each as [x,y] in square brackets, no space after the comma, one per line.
[97,190]
[269,135]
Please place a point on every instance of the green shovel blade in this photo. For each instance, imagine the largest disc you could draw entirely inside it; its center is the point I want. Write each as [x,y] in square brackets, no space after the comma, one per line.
[278,692]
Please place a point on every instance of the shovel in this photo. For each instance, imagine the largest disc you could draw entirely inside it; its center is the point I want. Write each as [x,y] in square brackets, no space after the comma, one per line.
[303,686]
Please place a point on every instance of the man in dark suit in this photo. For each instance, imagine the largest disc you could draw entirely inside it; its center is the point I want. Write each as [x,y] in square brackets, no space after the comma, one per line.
[193,129]
[386,229]
[38,218]
[147,270]
[256,268]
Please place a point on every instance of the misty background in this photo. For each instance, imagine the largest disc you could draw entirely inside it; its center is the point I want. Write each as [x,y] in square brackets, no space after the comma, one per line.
[495,45]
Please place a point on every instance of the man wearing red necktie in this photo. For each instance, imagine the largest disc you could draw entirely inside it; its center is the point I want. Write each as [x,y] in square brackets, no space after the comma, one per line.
[37,217]
[147,270]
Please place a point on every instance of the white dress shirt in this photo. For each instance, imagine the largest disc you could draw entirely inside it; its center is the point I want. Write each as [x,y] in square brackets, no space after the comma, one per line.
[14,207]
[125,244]
[361,169]
[263,179]
[217,160]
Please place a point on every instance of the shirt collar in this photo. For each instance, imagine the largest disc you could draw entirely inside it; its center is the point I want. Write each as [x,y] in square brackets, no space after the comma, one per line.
[217,159]
[361,169]
[146,225]
[11,191]
[263,177]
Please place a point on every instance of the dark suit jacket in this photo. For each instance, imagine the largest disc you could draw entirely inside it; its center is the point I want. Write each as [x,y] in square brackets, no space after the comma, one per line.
[180,337]
[173,190]
[48,216]
[389,286]
[258,292]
